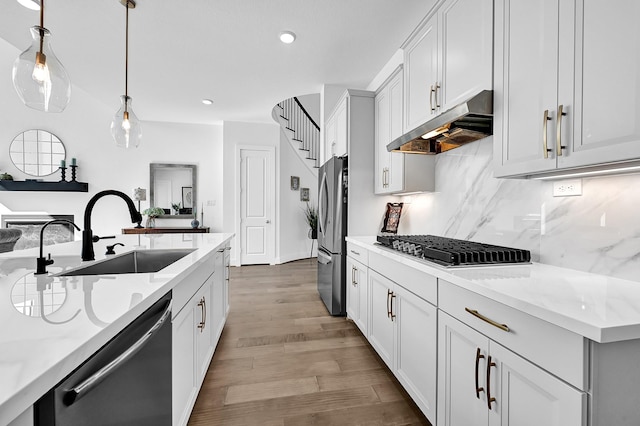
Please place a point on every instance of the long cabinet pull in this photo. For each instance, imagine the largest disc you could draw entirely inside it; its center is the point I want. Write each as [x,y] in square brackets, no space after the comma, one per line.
[353,272]
[437,86]
[431,91]
[477,314]
[479,389]
[355,276]
[201,304]
[559,130]
[490,399]
[388,303]
[393,296]
[545,145]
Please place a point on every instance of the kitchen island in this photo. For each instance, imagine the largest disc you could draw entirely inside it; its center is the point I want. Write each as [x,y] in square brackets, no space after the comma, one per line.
[52,324]
[515,344]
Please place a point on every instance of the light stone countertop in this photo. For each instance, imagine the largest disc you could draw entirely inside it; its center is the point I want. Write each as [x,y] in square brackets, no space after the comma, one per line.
[601,308]
[81,313]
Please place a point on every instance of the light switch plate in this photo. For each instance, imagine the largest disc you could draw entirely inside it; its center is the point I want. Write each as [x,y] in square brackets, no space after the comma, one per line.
[567,188]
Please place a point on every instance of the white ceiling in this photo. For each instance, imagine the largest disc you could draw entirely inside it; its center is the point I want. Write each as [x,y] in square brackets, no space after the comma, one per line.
[181,51]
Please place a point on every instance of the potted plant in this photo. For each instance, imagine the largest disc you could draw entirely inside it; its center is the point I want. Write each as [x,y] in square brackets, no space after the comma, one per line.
[176,208]
[311,216]
[152,213]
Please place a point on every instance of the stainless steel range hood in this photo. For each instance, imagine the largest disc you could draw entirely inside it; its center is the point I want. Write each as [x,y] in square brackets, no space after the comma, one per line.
[464,123]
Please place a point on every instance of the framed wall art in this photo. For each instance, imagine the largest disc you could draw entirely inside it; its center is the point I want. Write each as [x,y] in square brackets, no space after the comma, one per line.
[304,194]
[295,183]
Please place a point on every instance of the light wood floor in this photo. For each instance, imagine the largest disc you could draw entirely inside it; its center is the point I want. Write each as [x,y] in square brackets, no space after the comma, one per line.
[282,360]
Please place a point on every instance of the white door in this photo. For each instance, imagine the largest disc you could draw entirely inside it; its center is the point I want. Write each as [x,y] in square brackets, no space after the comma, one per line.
[606,75]
[257,196]
[462,367]
[526,85]
[381,325]
[529,396]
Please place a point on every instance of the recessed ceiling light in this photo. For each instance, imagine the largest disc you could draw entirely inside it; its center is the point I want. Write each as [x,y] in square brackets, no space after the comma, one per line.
[287,37]
[207,101]
[30,4]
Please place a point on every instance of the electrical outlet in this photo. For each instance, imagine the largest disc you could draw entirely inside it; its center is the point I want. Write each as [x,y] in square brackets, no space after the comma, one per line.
[567,188]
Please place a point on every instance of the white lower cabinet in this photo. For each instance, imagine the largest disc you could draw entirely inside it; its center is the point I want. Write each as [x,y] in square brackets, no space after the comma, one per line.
[403,330]
[357,292]
[482,383]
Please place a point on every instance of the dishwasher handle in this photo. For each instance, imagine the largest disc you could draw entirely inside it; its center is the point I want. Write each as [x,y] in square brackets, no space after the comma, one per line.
[85,387]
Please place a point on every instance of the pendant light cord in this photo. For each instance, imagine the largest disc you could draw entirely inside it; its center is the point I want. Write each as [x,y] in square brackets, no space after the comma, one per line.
[41,24]
[126,59]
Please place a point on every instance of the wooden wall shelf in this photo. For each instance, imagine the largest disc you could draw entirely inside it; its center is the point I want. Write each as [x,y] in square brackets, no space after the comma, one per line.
[29,185]
[184,230]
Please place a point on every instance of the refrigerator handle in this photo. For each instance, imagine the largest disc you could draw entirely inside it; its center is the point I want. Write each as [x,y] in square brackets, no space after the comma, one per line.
[321,212]
[323,258]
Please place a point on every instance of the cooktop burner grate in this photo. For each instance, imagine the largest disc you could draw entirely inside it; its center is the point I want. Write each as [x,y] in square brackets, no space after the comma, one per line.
[452,252]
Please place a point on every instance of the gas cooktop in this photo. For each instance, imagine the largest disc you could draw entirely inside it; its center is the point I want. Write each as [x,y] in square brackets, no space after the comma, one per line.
[454,253]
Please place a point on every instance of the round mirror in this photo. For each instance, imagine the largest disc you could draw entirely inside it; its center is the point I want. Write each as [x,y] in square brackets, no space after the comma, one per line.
[37,152]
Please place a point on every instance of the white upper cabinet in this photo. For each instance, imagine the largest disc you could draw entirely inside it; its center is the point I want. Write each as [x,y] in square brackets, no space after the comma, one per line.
[448,59]
[559,102]
[337,131]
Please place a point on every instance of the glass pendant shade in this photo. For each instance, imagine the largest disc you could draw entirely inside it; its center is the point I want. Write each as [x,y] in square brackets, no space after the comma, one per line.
[125,126]
[38,76]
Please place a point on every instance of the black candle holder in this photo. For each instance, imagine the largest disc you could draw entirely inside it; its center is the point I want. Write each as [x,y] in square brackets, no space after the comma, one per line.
[73,172]
[64,174]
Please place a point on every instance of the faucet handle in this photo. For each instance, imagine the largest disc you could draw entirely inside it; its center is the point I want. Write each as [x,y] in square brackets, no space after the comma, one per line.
[49,260]
[110,249]
[95,238]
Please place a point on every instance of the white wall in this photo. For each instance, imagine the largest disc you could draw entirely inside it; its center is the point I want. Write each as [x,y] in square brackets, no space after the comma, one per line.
[311,104]
[84,129]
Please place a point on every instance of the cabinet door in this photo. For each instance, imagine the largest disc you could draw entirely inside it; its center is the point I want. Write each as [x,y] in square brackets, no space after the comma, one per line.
[330,138]
[529,396]
[183,364]
[606,115]
[462,364]
[467,50]
[395,179]
[382,116]
[342,129]
[381,324]
[227,265]
[526,85]
[218,302]
[202,329]
[416,335]
[353,296]
[421,75]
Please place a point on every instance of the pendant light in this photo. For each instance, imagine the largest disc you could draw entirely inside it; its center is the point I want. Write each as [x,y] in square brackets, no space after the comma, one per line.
[125,126]
[38,76]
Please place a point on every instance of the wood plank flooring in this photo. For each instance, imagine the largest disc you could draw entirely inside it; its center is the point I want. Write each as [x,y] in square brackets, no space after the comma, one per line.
[283,360]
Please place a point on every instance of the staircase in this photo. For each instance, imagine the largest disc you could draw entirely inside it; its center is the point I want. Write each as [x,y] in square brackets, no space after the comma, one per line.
[302,132]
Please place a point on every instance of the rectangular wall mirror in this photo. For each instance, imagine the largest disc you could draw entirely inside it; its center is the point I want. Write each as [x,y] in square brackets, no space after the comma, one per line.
[173,187]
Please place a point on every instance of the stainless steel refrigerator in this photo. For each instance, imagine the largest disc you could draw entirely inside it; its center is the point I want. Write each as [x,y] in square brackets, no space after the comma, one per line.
[332,230]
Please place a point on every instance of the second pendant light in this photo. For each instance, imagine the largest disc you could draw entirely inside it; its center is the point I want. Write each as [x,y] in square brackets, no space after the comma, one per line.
[125,126]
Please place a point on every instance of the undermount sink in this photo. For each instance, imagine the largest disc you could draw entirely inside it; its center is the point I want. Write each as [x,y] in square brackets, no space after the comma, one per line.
[134,262]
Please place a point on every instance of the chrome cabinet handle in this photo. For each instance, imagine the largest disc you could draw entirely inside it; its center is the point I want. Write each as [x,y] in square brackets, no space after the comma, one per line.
[83,388]
[355,252]
[203,305]
[437,86]
[545,147]
[393,296]
[388,305]
[479,389]
[490,399]
[477,314]
[559,130]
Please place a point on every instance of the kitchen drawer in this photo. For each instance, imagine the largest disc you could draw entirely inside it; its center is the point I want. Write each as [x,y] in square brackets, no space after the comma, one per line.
[358,253]
[191,283]
[419,283]
[555,349]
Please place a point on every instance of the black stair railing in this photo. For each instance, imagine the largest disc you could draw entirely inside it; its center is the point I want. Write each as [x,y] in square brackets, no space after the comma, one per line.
[305,130]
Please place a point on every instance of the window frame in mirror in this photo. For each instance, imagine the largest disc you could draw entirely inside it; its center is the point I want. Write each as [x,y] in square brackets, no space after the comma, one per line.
[154,168]
[52,139]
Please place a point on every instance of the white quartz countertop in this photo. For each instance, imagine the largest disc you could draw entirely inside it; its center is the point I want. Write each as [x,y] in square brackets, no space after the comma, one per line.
[50,325]
[601,308]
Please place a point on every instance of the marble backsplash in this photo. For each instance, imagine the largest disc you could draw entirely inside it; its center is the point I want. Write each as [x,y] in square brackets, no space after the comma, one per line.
[597,232]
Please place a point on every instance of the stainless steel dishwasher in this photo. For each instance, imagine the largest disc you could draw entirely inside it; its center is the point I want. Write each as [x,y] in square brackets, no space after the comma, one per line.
[127,382]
